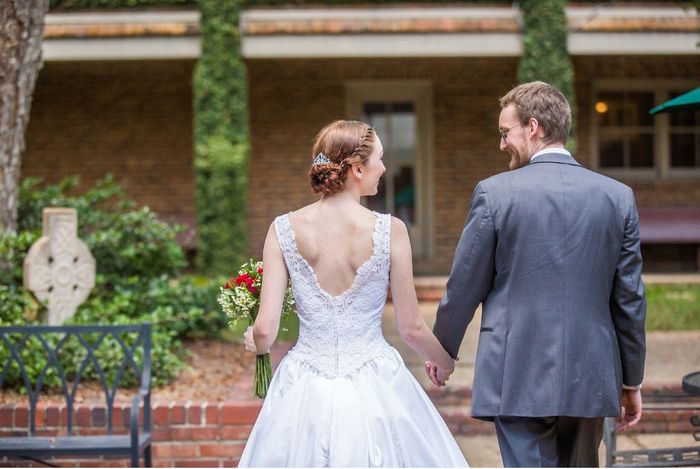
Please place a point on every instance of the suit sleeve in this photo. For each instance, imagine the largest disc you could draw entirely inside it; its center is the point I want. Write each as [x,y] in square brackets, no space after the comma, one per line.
[471,276]
[628,302]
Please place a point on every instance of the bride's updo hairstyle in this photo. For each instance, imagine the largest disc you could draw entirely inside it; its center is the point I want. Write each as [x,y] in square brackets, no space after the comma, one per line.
[339,145]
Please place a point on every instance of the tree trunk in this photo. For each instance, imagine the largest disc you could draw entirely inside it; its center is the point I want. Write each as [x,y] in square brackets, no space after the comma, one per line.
[21,32]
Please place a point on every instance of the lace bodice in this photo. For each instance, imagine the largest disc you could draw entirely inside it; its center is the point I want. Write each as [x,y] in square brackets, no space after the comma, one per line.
[340,334]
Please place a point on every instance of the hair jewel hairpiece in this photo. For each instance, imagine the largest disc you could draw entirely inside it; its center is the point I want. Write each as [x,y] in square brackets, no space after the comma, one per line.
[321,159]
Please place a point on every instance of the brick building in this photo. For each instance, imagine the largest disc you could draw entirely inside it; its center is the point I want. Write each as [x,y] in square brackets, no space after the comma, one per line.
[429,78]
[115,96]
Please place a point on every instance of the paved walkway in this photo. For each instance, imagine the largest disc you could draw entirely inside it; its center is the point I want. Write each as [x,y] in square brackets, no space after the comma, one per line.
[670,355]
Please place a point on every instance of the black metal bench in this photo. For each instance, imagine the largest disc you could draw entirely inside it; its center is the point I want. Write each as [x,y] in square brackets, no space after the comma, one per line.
[132,340]
[655,457]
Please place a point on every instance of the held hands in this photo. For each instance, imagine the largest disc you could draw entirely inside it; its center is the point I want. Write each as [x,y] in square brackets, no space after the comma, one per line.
[437,375]
[631,403]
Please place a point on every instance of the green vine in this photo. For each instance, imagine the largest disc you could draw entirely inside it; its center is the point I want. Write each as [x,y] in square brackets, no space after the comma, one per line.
[545,55]
[221,140]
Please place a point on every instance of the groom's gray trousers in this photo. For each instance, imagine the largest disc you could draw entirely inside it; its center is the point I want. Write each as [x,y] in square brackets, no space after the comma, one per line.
[549,441]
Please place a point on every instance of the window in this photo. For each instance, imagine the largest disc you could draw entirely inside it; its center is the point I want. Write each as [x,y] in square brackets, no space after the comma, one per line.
[627,140]
[685,137]
[401,112]
[396,123]
[626,130]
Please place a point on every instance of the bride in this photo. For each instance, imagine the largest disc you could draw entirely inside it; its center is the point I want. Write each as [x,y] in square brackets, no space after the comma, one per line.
[342,396]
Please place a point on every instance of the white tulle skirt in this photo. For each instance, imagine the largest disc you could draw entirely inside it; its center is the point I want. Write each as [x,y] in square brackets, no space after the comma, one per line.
[378,417]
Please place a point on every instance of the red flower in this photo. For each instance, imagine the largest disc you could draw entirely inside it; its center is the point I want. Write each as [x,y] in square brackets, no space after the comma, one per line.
[227,286]
[244,278]
[260,270]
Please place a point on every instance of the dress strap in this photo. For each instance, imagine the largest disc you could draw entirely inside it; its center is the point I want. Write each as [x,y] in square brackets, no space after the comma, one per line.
[285,237]
[382,235]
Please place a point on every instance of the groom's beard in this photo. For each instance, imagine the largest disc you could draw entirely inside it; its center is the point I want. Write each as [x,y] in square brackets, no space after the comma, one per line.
[516,160]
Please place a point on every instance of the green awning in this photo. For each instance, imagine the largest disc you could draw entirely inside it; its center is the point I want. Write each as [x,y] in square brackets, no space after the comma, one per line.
[689,101]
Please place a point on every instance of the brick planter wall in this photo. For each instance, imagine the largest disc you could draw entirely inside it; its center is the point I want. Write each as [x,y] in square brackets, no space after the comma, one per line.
[193,434]
[197,434]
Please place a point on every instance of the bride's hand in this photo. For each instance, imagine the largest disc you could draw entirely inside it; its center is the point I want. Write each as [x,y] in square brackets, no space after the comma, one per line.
[249,340]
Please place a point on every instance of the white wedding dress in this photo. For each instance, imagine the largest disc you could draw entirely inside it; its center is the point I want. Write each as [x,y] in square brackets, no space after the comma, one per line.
[343,396]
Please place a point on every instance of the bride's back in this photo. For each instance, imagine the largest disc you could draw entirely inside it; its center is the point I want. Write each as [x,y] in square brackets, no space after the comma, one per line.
[334,241]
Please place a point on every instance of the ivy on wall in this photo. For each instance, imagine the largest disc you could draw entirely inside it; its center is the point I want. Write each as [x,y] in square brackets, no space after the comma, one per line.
[545,55]
[221,140]
[220,129]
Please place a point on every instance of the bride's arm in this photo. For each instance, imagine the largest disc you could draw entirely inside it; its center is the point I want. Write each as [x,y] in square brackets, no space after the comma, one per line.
[413,329]
[275,279]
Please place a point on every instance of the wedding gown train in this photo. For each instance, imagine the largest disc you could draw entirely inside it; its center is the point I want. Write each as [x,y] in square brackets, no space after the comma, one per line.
[342,396]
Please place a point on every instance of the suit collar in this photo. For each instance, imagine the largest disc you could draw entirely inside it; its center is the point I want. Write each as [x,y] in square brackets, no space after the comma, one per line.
[559,158]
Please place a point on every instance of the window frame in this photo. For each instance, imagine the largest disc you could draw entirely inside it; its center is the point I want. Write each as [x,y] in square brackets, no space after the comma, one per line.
[358,92]
[662,169]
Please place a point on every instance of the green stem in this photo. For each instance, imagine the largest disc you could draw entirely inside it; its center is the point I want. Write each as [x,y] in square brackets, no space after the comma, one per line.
[263,375]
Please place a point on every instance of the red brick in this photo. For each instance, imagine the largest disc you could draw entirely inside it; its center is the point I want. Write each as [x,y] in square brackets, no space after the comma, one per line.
[39,415]
[235,432]
[99,417]
[230,462]
[197,463]
[22,416]
[159,414]
[211,413]
[175,450]
[83,416]
[117,416]
[679,427]
[6,416]
[194,433]
[162,434]
[221,449]
[102,463]
[177,414]
[194,414]
[53,416]
[236,413]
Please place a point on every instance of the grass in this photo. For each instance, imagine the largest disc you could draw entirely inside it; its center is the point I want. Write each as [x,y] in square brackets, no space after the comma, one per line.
[672,307]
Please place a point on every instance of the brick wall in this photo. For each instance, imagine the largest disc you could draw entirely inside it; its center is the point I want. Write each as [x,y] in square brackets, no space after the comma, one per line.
[290,100]
[190,434]
[131,119]
[197,434]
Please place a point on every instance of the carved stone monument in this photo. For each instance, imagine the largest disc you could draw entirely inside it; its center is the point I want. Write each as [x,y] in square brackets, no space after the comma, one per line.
[59,267]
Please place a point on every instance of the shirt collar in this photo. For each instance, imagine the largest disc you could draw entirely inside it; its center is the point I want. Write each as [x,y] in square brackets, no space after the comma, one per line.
[562,151]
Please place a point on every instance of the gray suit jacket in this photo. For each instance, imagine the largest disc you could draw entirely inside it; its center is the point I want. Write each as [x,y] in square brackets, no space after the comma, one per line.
[552,252]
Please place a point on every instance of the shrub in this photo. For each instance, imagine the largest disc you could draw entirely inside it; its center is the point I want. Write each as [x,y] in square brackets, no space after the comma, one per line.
[138,278]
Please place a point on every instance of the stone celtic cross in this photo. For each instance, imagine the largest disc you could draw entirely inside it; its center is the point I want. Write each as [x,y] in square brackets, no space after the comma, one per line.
[59,268]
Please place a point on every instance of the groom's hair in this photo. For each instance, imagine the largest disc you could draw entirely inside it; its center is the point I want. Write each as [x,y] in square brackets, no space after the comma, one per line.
[545,103]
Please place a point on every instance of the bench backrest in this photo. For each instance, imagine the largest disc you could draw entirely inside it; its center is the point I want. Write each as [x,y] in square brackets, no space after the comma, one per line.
[69,352]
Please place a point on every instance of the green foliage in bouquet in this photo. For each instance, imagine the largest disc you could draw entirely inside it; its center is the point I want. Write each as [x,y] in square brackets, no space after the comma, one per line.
[240,301]
[139,267]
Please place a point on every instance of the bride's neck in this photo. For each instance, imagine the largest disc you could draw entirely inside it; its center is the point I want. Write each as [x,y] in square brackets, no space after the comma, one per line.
[345,197]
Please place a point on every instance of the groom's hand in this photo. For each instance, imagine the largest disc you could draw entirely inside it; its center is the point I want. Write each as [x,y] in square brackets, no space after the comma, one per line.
[631,403]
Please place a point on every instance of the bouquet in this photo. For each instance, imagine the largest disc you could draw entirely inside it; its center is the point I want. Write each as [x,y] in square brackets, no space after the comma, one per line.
[240,300]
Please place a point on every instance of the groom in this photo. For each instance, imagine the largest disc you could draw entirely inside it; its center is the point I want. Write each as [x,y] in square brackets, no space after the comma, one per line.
[551,250]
